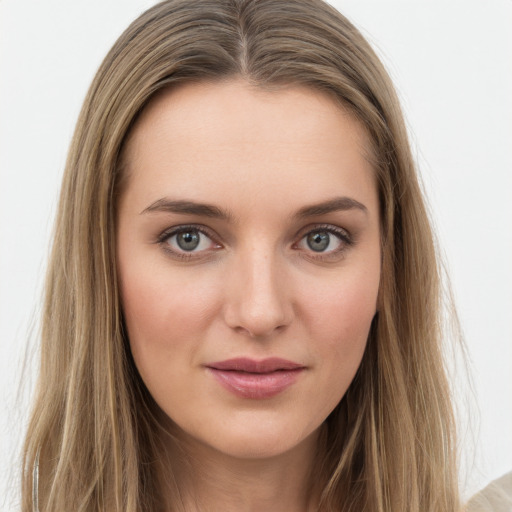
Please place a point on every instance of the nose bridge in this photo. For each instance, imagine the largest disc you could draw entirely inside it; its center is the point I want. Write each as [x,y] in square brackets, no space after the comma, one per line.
[259,303]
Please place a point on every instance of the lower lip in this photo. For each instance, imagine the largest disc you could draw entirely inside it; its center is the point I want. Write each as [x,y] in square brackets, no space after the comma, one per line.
[256,385]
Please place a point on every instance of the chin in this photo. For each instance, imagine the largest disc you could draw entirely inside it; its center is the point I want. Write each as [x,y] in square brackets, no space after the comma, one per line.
[259,440]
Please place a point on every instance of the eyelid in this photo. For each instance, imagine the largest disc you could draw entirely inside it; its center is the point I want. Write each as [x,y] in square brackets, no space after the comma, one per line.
[344,236]
[331,228]
[169,232]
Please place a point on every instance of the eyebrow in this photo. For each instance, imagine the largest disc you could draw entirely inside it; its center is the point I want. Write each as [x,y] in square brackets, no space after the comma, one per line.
[332,205]
[208,210]
[188,207]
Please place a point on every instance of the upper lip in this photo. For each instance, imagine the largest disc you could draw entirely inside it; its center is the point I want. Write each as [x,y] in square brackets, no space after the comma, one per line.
[244,364]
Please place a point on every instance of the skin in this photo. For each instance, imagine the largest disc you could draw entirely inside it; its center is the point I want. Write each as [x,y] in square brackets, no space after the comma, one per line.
[253,287]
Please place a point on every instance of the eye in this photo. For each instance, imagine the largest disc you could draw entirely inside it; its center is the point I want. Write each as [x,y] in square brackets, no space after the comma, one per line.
[325,240]
[319,241]
[186,241]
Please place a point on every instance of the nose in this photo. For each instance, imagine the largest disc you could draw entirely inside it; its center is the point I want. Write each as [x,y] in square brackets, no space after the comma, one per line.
[258,301]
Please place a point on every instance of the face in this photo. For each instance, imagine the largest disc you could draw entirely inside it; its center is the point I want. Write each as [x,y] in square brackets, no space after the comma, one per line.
[249,261]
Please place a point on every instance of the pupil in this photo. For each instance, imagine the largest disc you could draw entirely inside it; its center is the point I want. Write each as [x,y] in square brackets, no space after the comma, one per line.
[318,241]
[188,240]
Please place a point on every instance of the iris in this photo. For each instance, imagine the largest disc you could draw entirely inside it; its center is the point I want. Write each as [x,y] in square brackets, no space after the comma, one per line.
[188,240]
[318,241]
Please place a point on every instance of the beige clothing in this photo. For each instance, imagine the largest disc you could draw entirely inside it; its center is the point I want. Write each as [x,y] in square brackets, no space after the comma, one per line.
[496,497]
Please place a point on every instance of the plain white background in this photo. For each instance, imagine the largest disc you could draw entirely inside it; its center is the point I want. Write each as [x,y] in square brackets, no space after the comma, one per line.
[452,64]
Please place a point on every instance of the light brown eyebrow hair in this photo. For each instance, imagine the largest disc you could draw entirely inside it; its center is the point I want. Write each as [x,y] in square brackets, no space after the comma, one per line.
[208,210]
[187,207]
[332,205]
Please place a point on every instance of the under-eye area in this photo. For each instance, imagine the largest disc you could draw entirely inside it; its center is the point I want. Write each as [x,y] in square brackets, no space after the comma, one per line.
[322,242]
[189,241]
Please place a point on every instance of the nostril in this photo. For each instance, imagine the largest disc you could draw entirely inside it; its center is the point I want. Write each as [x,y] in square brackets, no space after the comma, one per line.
[257,301]
[258,326]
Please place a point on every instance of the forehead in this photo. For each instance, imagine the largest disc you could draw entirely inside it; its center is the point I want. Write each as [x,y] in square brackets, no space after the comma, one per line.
[221,104]
[231,138]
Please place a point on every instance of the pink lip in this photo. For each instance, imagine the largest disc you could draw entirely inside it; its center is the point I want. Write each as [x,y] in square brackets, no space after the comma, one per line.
[249,378]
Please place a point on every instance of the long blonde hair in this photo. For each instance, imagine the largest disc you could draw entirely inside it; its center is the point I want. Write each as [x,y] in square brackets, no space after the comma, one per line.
[389,444]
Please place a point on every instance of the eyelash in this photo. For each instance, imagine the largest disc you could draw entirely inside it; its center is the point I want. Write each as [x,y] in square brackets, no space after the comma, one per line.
[162,239]
[345,238]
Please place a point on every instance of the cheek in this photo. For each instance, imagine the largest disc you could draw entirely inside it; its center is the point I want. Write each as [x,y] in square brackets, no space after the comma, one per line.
[345,304]
[339,319]
[165,314]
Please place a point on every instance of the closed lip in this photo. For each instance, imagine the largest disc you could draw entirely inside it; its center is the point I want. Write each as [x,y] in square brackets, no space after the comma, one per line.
[250,378]
[245,364]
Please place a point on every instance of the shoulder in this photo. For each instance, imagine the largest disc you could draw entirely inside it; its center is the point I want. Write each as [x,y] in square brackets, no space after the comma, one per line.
[496,497]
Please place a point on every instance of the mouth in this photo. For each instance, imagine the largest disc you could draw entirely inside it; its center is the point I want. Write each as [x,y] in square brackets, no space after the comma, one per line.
[248,378]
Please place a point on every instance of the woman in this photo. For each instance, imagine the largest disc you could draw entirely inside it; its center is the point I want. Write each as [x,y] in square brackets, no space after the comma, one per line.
[242,303]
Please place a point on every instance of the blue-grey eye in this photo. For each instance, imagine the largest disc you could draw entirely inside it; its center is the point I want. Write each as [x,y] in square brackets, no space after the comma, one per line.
[188,240]
[318,241]
[326,241]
